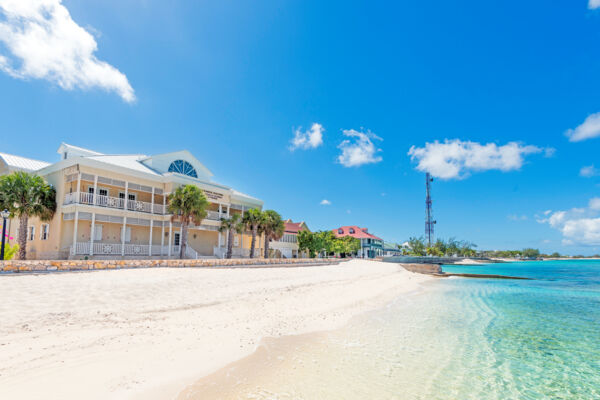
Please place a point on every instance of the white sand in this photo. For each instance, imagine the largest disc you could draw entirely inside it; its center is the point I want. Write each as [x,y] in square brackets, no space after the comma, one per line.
[148,333]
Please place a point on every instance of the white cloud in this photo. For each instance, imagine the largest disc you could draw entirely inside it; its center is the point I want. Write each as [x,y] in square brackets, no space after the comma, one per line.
[42,41]
[593,4]
[310,139]
[358,150]
[589,171]
[455,159]
[590,128]
[578,225]
[325,202]
[515,217]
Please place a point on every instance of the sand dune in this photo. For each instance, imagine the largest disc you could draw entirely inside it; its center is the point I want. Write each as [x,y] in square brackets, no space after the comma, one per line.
[147,334]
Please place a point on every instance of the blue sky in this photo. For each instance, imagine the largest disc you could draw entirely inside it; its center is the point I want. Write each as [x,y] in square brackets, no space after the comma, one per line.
[496,98]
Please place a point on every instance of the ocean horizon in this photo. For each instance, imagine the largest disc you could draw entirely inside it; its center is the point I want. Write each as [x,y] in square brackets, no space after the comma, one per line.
[457,338]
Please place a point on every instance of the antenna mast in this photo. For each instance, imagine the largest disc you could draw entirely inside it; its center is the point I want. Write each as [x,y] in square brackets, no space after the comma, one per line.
[429,221]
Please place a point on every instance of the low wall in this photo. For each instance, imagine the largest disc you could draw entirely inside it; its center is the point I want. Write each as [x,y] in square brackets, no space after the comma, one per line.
[81,265]
[423,268]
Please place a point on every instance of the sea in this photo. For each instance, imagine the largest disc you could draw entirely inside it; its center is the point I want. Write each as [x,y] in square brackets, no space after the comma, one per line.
[456,338]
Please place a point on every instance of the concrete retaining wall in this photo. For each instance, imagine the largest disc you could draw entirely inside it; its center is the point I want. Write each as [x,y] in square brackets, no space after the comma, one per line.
[423,268]
[79,265]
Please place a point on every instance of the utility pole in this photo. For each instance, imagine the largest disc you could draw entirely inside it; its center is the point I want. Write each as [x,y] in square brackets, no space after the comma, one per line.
[429,221]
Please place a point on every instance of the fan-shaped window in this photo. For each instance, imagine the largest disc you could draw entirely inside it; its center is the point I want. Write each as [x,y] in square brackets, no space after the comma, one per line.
[183,167]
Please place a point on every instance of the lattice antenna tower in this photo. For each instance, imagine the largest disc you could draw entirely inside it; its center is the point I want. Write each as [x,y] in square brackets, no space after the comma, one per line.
[429,221]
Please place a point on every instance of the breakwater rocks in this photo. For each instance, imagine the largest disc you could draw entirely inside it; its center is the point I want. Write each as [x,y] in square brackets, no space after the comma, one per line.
[85,265]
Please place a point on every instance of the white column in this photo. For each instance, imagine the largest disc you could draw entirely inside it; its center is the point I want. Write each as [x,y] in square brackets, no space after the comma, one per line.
[78,200]
[95,201]
[92,230]
[170,239]
[162,238]
[152,203]
[228,211]
[180,236]
[126,195]
[75,222]
[164,204]
[220,212]
[150,240]
[242,234]
[123,230]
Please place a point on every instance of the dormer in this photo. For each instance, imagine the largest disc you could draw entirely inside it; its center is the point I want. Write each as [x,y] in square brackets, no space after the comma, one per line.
[179,162]
[69,151]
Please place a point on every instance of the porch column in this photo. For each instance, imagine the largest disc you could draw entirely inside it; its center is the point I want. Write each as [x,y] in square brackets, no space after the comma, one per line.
[152,205]
[126,196]
[164,203]
[92,233]
[180,237]
[76,222]
[95,201]
[242,234]
[162,237]
[170,241]
[151,226]
[78,200]
[220,212]
[123,230]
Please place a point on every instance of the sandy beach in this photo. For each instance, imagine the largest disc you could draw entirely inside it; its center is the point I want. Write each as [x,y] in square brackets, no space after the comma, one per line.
[149,333]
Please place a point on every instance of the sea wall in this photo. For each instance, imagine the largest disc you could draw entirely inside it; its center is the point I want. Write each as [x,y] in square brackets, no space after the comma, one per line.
[423,268]
[81,265]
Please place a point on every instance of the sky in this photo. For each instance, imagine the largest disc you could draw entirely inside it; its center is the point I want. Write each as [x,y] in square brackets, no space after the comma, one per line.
[332,112]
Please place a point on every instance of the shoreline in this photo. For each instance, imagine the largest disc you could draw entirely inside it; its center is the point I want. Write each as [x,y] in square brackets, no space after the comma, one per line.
[215,384]
[150,333]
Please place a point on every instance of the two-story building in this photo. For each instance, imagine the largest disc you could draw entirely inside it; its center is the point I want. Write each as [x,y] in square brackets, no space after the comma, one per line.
[115,205]
[287,246]
[370,245]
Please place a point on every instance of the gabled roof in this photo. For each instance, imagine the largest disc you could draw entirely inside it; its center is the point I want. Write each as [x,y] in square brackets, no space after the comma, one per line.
[16,163]
[125,161]
[295,227]
[359,233]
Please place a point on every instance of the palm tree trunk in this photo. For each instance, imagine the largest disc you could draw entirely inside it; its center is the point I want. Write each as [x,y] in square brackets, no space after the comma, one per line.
[23,221]
[183,239]
[253,243]
[229,243]
[267,246]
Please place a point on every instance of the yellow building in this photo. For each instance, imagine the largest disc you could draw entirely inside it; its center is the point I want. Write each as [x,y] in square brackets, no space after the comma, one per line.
[115,206]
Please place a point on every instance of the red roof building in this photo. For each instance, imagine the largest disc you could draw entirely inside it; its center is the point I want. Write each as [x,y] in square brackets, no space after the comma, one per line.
[287,246]
[371,245]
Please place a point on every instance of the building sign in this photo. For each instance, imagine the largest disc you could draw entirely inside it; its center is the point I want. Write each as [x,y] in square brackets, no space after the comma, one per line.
[213,195]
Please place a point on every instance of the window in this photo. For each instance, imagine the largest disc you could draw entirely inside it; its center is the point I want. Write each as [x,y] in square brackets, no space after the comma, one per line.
[127,234]
[45,232]
[31,235]
[351,231]
[176,239]
[340,231]
[97,232]
[183,167]
[101,191]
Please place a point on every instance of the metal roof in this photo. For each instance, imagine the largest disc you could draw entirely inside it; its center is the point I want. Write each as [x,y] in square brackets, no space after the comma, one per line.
[22,163]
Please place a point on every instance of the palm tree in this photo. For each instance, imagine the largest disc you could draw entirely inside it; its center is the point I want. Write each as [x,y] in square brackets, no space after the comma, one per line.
[272,226]
[187,204]
[26,195]
[252,220]
[231,225]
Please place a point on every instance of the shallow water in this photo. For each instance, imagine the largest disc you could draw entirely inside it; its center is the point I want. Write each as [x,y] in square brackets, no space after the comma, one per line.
[458,339]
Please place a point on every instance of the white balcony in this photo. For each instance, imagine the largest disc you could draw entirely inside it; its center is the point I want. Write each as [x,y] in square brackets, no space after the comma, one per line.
[114,202]
[117,249]
[215,215]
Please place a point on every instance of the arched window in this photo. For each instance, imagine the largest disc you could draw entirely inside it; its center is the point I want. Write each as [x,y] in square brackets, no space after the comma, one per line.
[351,231]
[183,167]
[340,231]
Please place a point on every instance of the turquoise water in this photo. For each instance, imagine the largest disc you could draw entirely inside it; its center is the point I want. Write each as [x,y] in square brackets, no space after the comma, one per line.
[458,338]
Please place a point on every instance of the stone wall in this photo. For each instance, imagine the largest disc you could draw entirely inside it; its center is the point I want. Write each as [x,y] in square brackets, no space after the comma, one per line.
[80,265]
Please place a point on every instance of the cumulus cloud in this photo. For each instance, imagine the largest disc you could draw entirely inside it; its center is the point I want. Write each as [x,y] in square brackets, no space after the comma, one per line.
[455,159]
[309,139]
[590,128]
[589,171]
[325,202]
[41,41]
[359,149]
[593,4]
[577,225]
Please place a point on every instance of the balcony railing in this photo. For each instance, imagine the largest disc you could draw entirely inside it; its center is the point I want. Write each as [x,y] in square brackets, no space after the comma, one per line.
[215,216]
[117,249]
[114,202]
